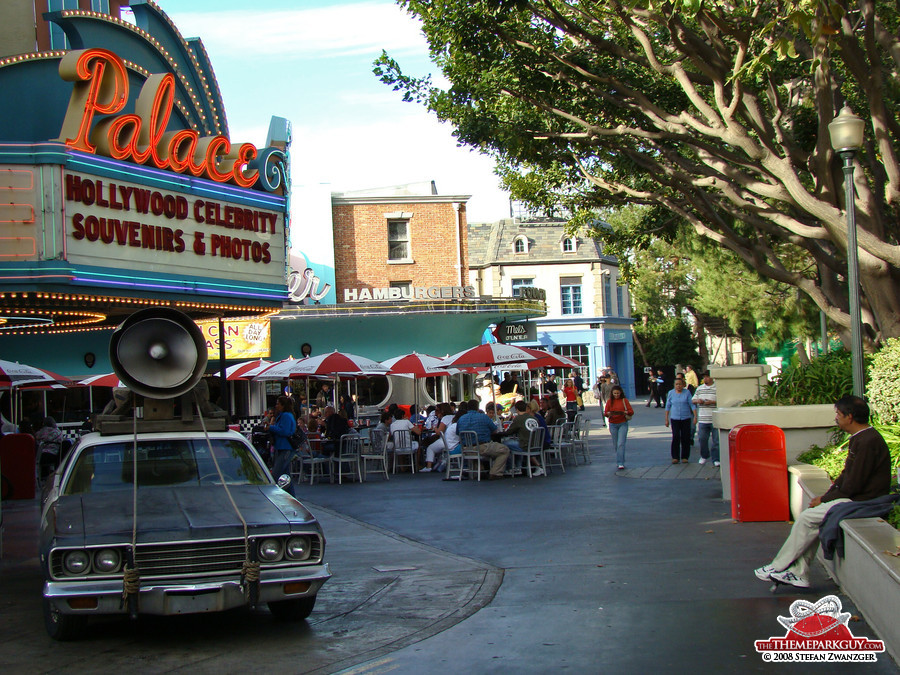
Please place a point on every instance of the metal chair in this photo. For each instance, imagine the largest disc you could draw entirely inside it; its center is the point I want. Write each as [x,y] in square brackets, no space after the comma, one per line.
[375,452]
[312,464]
[555,454]
[348,454]
[535,449]
[471,455]
[403,447]
[580,439]
[454,457]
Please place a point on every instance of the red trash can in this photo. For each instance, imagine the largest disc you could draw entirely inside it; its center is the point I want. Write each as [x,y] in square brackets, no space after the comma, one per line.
[759,477]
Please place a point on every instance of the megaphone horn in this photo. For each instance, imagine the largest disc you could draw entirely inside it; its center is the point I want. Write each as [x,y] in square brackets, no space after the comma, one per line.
[158,353]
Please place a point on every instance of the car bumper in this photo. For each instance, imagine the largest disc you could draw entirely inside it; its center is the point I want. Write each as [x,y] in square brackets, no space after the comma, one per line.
[168,597]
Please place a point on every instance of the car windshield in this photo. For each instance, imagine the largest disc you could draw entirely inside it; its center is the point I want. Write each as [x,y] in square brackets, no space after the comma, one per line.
[163,463]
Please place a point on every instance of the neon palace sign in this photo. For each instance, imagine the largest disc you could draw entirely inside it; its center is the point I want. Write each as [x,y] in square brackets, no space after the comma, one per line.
[101,88]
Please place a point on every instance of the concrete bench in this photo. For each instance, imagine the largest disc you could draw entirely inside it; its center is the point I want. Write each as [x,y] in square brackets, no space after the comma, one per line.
[867,572]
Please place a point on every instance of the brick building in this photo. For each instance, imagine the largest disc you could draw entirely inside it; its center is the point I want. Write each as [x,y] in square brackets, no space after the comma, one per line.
[400,237]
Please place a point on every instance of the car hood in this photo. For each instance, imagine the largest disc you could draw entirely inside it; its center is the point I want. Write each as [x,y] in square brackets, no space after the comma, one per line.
[174,514]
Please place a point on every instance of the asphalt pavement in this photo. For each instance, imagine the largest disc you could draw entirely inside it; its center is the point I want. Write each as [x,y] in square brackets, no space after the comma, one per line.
[587,571]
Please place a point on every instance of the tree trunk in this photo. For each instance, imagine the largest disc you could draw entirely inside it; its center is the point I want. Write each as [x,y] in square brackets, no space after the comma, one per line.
[637,342]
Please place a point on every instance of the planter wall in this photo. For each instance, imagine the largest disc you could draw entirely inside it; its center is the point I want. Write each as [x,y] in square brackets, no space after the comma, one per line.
[803,426]
[871,576]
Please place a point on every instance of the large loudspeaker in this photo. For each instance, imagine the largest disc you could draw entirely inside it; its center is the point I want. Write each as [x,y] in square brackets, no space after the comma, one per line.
[158,353]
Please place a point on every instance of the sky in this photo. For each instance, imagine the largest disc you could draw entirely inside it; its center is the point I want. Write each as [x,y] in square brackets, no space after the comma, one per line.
[310,61]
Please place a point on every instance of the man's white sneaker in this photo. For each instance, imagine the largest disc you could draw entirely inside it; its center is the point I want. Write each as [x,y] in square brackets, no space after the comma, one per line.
[537,472]
[425,469]
[764,572]
[716,463]
[789,578]
[703,460]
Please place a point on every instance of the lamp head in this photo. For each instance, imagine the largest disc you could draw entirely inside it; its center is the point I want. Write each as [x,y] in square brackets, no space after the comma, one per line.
[846,131]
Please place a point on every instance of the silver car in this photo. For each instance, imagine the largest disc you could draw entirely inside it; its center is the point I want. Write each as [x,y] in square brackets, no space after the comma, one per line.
[191,548]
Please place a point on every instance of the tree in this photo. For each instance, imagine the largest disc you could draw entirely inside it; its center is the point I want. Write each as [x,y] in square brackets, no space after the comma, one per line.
[689,276]
[668,342]
[713,113]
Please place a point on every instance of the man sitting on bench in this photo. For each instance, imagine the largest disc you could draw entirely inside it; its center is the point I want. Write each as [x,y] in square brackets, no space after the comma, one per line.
[866,475]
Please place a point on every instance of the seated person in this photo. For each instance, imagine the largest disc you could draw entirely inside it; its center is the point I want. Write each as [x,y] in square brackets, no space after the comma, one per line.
[475,420]
[400,423]
[414,416]
[517,435]
[866,475]
[333,427]
[384,424]
[491,410]
[431,418]
[434,445]
[537,410]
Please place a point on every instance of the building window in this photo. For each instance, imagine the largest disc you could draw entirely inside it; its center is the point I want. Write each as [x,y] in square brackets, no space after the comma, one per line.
[519,284]
[581,354]
[568,245]
[398,240]
[520,244]
[570,295]
[620,300]
[607,296]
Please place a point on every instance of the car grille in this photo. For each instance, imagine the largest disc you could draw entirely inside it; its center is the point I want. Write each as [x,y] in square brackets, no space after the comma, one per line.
[190,558]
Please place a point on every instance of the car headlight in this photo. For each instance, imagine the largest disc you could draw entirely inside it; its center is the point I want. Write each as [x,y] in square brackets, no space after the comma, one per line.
[298,548]
[77,562]
[107,560]
[271,550]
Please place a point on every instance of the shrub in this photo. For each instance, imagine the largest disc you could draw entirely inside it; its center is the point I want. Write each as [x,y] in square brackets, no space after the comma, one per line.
[823,380]
[883,387]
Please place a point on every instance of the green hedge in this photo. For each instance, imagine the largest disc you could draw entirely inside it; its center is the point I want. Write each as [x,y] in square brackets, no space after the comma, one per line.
[883,387]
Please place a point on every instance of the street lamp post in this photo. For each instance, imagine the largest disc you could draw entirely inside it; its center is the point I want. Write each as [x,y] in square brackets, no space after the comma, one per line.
[846,132]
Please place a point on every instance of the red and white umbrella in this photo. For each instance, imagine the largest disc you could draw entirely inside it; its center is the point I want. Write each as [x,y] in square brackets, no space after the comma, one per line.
[493,354]
[335,363]
[246,370]
[19,374]
[105,380]
[417,365]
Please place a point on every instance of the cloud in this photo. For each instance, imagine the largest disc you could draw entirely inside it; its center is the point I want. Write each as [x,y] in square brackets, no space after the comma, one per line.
[340,30]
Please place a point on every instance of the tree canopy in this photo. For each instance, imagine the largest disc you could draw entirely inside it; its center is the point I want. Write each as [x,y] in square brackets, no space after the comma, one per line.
[713,113]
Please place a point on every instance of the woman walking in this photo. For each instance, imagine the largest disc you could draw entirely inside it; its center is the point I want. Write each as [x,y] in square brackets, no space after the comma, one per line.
[571,395]
[681,411]
[282,428]
[617,412]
